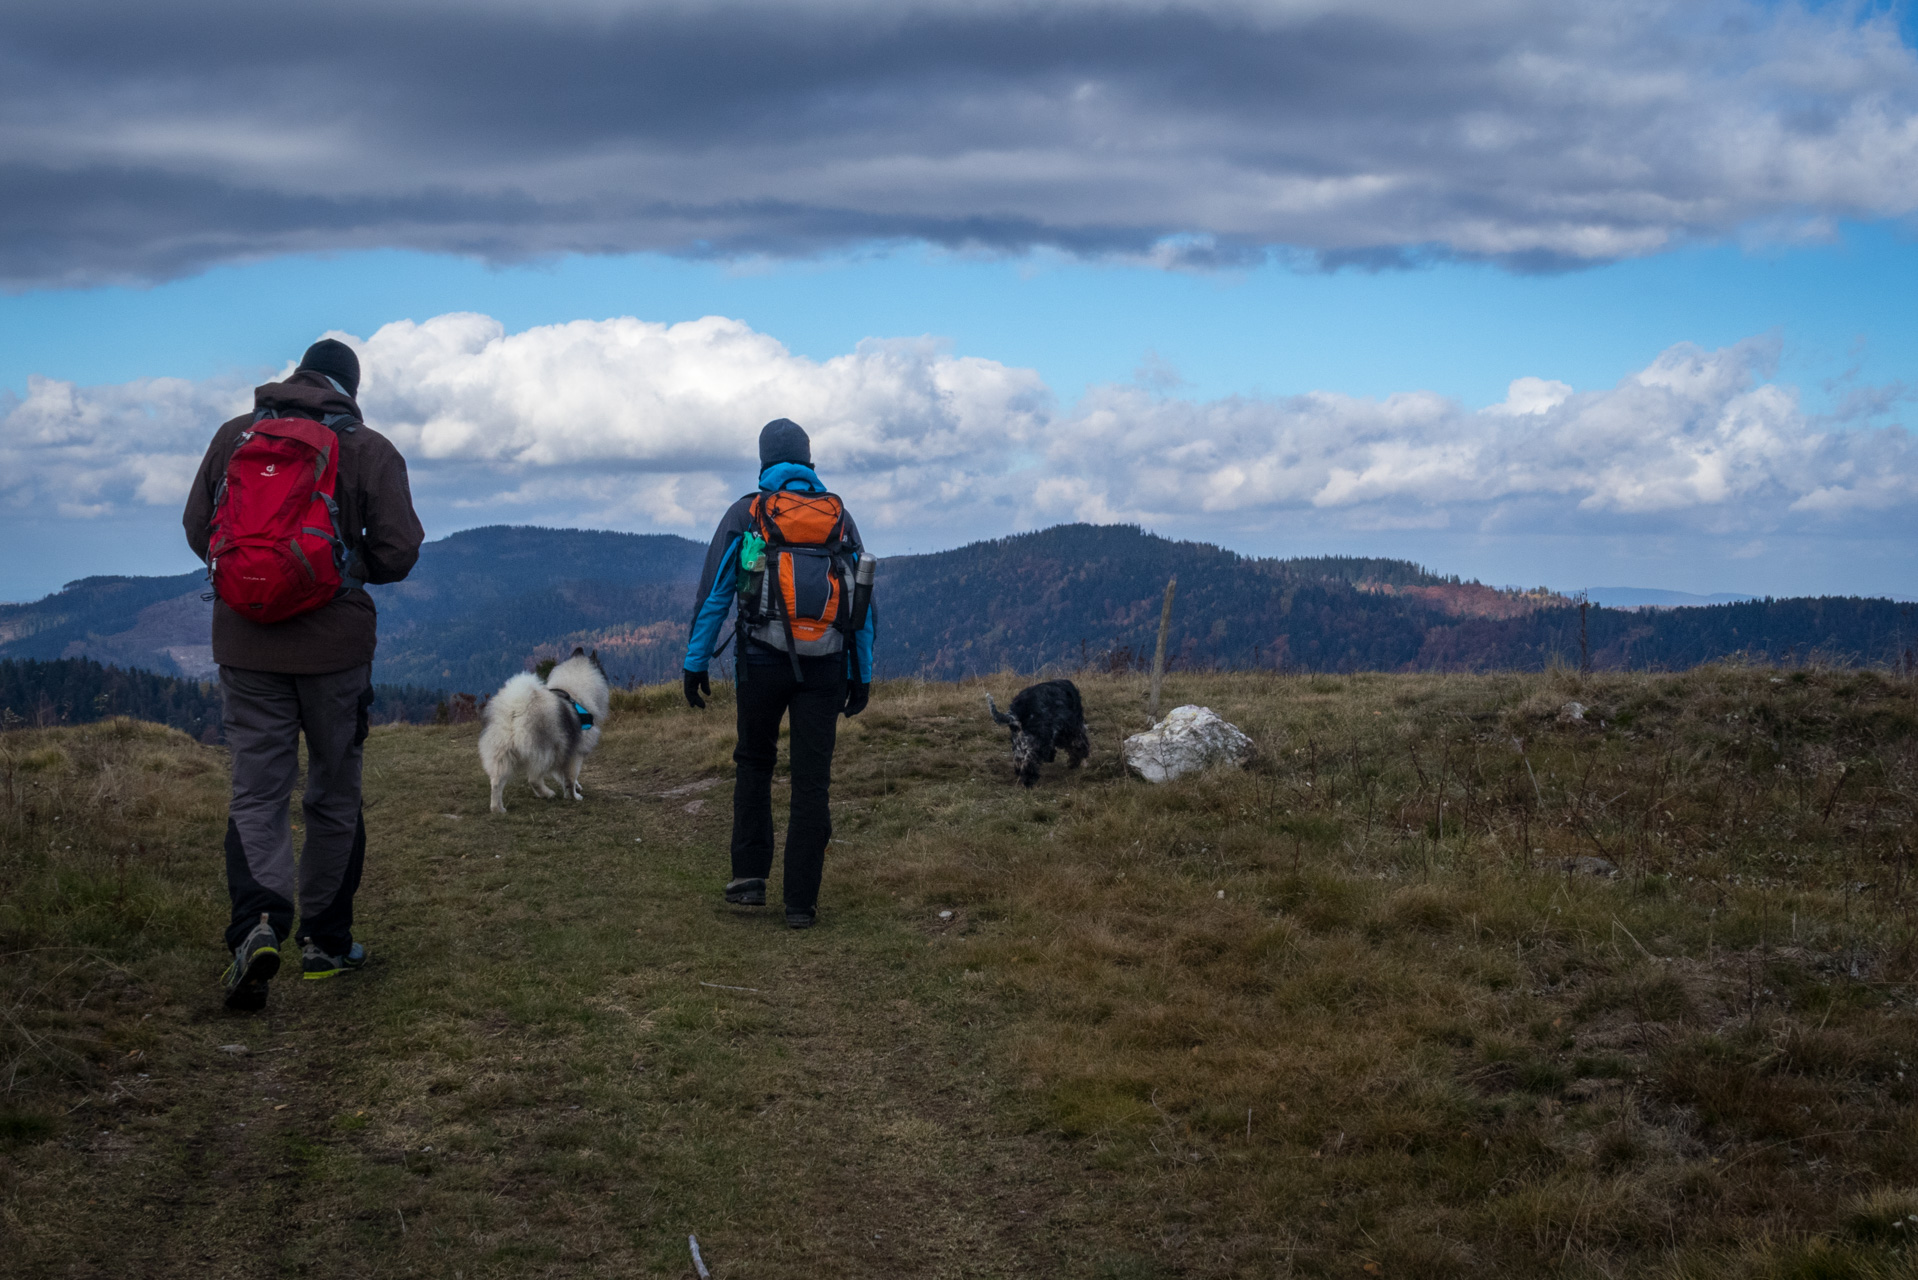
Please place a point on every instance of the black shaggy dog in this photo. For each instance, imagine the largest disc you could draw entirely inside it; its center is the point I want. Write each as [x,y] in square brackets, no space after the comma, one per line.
[1044,718]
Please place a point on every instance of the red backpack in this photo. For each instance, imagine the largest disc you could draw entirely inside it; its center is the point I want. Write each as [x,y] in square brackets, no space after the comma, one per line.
[275,547]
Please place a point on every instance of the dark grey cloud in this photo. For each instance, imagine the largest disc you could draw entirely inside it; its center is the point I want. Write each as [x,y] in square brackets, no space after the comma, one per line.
[141,141]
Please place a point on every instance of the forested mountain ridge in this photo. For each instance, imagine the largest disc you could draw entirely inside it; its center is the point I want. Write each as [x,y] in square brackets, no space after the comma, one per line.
[158,624]
[1093,593]
[485,603]
[1089,595]
[475,607]
[1839,630]
[482,601]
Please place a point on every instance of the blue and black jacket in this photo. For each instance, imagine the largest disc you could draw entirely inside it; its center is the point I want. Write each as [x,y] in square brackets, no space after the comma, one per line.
[718,577]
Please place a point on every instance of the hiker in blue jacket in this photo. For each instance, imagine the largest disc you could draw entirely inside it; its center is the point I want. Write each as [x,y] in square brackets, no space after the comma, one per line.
[783,666]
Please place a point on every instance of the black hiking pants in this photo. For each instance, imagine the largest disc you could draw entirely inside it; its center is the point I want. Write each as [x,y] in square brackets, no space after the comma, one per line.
[766,694]
[267,714]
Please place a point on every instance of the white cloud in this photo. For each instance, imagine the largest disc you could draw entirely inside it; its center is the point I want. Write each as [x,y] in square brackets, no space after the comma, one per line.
[629,424]
[1695,438]
[1533,395]
[95,451]
[607,402]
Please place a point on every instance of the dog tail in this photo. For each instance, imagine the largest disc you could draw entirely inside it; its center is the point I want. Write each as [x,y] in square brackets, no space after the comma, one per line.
[514,701]
[999,715]
[509,720]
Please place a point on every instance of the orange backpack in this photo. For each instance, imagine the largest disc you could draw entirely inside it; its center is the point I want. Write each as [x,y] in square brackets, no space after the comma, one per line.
[801,586]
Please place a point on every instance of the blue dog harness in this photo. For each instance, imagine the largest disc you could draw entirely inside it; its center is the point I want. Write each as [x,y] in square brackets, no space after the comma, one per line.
[585,716]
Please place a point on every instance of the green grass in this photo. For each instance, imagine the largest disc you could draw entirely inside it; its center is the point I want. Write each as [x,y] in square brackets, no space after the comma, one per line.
[1344,1012]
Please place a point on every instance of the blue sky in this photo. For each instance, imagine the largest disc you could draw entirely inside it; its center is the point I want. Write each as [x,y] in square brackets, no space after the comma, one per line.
[1264,273]
[1465,330]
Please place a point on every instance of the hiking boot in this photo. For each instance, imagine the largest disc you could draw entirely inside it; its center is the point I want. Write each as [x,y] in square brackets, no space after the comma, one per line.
[801,917]
[750,892]
[255,961]
[318,964]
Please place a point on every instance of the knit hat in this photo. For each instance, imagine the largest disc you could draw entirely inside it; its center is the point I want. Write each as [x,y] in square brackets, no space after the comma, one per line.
[783,440]
[336,360]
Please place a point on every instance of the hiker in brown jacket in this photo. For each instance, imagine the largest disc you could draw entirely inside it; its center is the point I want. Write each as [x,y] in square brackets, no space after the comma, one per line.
[307,674]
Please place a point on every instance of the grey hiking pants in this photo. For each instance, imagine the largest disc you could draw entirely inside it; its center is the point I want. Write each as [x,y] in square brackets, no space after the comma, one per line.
[266,714]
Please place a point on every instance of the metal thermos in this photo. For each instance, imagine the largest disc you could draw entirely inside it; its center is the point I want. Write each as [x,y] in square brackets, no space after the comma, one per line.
[862,589]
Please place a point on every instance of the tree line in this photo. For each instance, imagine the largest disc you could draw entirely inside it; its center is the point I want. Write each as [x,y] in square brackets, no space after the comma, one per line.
[61,691]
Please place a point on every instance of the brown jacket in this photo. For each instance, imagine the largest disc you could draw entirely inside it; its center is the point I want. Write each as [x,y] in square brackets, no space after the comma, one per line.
[383,538]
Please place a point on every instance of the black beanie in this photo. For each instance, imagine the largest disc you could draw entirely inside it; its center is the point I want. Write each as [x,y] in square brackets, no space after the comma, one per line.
[783,440]
[336,360]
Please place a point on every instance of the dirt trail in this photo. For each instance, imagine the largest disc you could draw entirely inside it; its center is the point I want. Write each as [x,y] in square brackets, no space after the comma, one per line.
[532,1079]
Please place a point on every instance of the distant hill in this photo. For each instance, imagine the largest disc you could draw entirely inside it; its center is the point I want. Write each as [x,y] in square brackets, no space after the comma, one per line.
[1838,630]
[1090,595]
[481,602]
[485,603]
[473,609]
[159,624]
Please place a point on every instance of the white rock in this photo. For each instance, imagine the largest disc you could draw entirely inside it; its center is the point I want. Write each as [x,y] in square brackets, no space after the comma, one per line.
[1186,741]
[1571,711]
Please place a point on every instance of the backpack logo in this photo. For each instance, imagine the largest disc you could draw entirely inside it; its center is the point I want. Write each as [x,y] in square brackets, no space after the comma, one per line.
[275,545]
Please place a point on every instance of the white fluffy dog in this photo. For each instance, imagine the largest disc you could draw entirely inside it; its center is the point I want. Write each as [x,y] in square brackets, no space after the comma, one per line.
[542,731]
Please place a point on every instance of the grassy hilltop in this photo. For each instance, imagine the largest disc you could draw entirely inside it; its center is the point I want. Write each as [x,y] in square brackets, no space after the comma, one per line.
[1356,1010]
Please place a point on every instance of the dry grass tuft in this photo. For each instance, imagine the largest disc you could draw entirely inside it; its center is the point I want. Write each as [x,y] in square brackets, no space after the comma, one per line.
[101,888]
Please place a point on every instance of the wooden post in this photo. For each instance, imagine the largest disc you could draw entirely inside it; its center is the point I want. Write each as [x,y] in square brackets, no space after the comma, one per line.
[1158,657]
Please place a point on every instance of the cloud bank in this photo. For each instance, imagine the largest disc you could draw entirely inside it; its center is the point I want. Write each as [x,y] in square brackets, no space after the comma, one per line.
[140,142]
[651,427]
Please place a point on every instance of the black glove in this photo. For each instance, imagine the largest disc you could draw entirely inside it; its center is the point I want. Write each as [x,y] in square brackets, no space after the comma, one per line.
[696,684]
[857,695]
